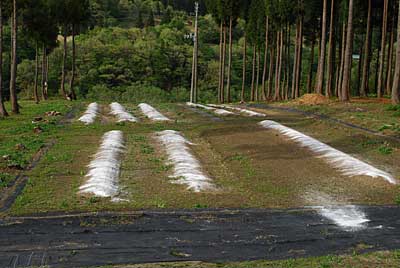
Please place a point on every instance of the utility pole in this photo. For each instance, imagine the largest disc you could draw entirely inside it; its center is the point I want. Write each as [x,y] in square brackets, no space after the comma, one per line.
[193,89]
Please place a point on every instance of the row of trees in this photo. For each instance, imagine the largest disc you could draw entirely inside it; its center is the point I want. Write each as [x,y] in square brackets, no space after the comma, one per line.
[336,27]
[42,21]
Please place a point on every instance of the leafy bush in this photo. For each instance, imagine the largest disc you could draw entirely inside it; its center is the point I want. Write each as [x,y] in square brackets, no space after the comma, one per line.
[144,92]
[385,150]
[393,108]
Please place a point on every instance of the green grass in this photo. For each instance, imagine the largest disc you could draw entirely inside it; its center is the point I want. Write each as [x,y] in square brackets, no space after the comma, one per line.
[18,142]
[384,259]
[375,116]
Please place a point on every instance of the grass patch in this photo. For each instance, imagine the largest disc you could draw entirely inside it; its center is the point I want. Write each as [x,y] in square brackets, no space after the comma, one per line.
[385,149]
[385,259]
[5,179]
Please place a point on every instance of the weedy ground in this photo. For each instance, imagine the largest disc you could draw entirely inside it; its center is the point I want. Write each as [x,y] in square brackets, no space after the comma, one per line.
[251,167]
[384,259]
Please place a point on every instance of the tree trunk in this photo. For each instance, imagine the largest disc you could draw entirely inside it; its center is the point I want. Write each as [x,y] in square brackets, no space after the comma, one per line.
[342,56]
[3,111]
[13,71]
[359,70]
[331,54]
[297,67]
[299,61]
[244,68]
[321,63]
[270,73]
[310,72]
[296,54]
[383,50]
[287,62]
[220,61]
[223,67]
[277,97]
[279,71]
[44,57]
[72,82]
[366,59]
[253,74]
[264,94]
[257,97]
[280,63]
[396,78]
[228,86]
[388,81]
[35,89]
[348,55]
[64,63]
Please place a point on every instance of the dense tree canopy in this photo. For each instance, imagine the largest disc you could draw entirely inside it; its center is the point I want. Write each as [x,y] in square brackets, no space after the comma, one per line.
[336,47]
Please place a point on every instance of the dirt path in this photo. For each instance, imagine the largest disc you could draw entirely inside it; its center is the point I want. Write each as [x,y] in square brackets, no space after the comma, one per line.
[212,236]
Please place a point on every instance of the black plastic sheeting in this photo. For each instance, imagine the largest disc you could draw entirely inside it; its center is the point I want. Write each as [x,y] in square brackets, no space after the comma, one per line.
[206,235]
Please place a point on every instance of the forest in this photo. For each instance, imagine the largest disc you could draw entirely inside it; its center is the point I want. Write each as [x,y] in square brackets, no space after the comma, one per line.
[255,50]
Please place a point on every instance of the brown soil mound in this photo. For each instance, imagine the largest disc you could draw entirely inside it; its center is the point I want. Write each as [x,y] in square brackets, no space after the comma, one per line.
[313,99]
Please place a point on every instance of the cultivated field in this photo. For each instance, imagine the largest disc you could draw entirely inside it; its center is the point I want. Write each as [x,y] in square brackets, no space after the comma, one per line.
[174,157]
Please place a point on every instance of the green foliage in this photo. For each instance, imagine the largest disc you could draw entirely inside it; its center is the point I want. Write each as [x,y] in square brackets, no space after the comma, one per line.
[393,108]
[385,149]
[5,179]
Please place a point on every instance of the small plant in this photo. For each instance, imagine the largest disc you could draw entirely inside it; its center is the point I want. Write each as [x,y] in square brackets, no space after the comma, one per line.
[139,138]
[64,204]
[238,157]
[154,160]
[385,149]
[160,204]
[393,108]
[5,179]
[146,149]
[200,206]
[385,127]
[94,200]
[368,143]
[164,168]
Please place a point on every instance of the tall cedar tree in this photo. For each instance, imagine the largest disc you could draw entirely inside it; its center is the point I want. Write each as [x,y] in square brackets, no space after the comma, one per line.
[348,55]
[396,78]
[367,48]
[13,69]
[321,62]
[3,111]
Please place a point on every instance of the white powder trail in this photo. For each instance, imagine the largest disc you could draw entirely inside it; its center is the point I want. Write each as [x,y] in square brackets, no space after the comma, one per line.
[217,111]
[348,217]
[90,115]
[120,112]
[187,169]
[345,163]
[152,113]
[240,110]
[104,169]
